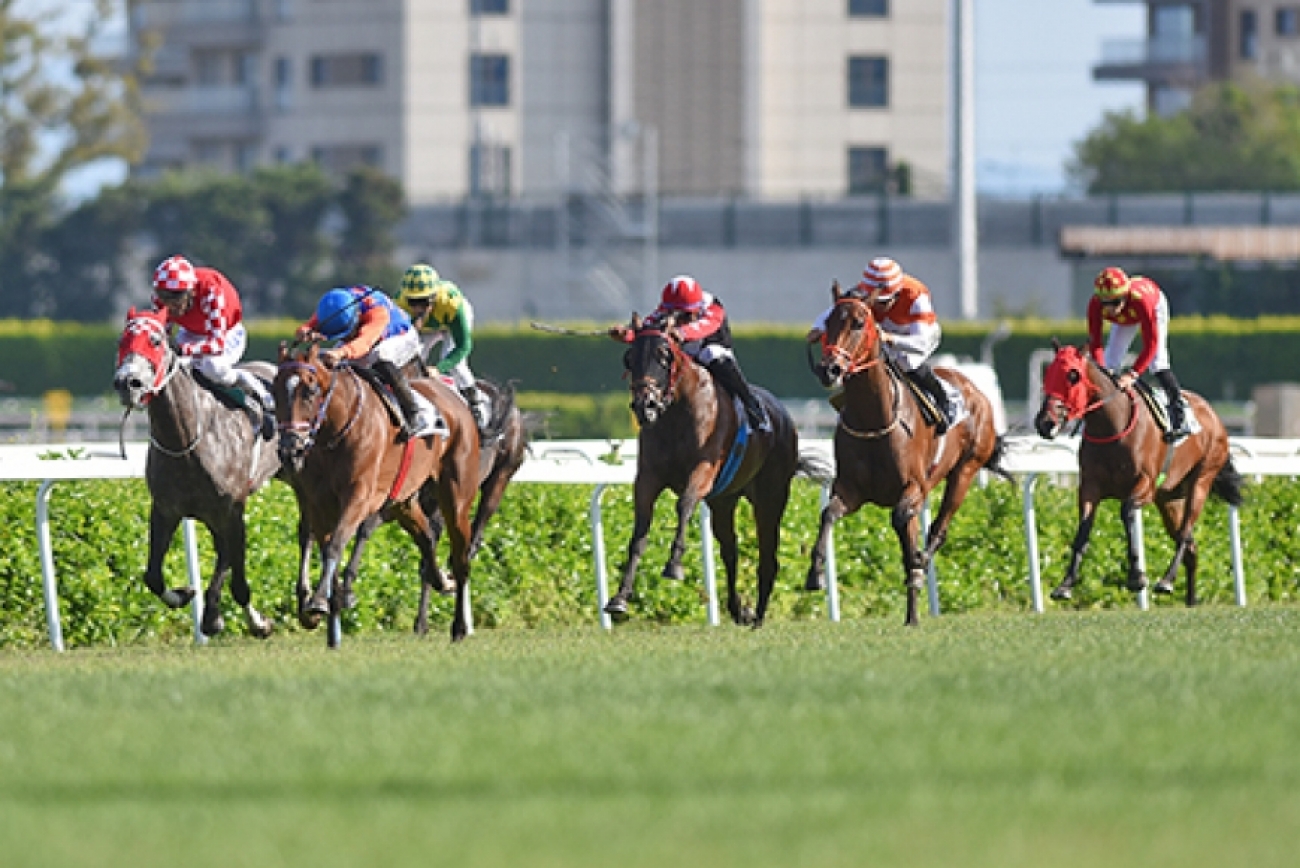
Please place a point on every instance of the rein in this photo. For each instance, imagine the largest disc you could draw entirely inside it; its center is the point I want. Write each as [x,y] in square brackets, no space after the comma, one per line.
[1098,404]
[674,370]
[853,365]
[164,377]
[879,432]
[313,427]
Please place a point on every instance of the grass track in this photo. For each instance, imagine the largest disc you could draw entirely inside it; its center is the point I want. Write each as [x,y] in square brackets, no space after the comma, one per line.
[1082,739]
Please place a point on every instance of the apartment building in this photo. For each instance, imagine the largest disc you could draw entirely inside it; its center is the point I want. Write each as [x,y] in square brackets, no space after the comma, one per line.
[1192,42]
[768,99]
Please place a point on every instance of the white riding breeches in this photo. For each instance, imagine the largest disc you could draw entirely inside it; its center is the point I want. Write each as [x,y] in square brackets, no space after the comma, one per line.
[909,346]
[398,349]
[1121,337]
[220,367]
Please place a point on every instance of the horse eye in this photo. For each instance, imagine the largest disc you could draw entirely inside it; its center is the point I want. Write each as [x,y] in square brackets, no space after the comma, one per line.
[1073,377]
[155,339]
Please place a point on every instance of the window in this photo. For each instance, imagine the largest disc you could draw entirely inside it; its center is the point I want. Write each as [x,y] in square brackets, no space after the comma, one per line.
[346,70]
[340,158]
[1248,46]
[868,82]
[1169,100]
[489,169]
[489,7]
[489,79]
[1286,21]
[868,170]
[283,73]
[868,8]
[208,68]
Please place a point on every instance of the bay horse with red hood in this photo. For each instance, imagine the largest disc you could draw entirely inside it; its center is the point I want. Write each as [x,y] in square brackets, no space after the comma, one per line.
[886,453]
[1123,456]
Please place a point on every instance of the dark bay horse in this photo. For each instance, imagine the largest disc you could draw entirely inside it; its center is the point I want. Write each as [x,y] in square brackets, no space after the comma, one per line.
[205,459]
[503,446]
[1124,457]
[885,452]
[688,428]
[350,470]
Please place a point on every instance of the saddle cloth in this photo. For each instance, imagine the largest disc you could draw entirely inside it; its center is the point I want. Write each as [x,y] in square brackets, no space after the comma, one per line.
[1157,401]
[956,400]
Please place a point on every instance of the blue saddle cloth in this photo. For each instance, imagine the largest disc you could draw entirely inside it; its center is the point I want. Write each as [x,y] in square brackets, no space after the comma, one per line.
[736,455]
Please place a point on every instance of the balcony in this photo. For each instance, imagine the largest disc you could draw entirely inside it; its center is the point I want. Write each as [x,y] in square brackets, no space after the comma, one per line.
[204,23]
[206,112]
[1178,58]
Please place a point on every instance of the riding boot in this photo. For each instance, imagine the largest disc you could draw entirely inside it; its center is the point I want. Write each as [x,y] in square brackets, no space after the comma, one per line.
[418,422]
[727,372]
[257,401]
[479,404]
[1169,382]
[927,379]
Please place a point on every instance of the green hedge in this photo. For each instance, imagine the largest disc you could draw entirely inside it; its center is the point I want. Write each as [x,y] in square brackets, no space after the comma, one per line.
[536,564]
[1219,357]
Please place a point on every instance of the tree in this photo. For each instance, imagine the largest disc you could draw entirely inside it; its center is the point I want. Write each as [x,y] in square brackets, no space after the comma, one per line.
[50,125]
[1233,137]
[372,204]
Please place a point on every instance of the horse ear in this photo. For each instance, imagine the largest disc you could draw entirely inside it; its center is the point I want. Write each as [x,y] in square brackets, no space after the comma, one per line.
[1056,344]
[636,321]
[284,351]
[835,290]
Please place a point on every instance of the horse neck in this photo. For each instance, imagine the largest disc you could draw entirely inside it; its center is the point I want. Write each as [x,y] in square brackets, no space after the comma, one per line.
[870,395]
[1112,413]
[174,409]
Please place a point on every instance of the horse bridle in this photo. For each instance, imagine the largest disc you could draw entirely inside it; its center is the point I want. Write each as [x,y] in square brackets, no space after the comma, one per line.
[849,358]
[305,432]
[163,375]
[650,384]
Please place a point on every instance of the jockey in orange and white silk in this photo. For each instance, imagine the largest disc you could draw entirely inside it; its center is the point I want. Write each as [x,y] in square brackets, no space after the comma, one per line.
[205,307]
[910,322]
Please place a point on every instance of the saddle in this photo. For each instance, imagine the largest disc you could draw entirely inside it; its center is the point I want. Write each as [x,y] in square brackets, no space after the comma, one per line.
[389,400]
[924,400]
[1157,402]
[234,398]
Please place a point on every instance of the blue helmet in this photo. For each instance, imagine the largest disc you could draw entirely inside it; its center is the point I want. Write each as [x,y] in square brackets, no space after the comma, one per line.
[337,313]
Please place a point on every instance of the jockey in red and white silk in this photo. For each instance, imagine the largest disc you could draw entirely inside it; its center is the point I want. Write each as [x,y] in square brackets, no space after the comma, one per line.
[205,307]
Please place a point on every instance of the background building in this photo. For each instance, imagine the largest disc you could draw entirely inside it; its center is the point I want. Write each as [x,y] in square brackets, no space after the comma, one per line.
[780,99]
[1192,42]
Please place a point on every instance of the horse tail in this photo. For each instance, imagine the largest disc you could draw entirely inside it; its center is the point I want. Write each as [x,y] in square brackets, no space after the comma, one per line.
[815,466]
[994,462]
[1227,484]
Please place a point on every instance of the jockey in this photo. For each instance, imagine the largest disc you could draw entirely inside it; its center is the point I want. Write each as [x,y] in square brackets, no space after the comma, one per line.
[371,330]
[210,334]
[1130,305]
[438,308]
[705,336]
[909,328]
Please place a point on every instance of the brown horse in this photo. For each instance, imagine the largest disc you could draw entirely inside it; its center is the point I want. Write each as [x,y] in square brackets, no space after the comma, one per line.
[503,447]
[886,453]
[351,470]
[205,460]
[1124,457]
[688,430]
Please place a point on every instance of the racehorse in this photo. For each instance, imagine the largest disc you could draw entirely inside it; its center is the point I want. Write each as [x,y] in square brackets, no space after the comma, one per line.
[885,452]
[1124,456]
[351,469]
[688,443]
[503,446]
[205,459]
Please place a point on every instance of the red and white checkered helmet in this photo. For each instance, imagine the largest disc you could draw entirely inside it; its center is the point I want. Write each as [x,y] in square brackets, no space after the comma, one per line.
[175,274]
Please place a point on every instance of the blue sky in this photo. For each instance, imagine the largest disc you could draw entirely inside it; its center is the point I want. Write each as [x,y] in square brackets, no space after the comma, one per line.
[1034,93]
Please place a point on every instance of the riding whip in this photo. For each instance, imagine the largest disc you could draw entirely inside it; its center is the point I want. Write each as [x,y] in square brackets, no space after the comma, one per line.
[562,330]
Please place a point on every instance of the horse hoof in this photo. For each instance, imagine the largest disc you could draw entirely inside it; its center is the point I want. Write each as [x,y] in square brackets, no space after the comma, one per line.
[674,572]
[212,626]
[261,631]
[309,619]
[617,609]
[814,582]
[349,600]
[1163,586]
[1061,593]
[1136,582]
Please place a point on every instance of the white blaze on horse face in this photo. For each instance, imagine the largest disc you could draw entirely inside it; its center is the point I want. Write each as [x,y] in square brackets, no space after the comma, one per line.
[137,373]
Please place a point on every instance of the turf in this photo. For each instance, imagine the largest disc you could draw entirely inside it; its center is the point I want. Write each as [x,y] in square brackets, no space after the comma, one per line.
[1084,739]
